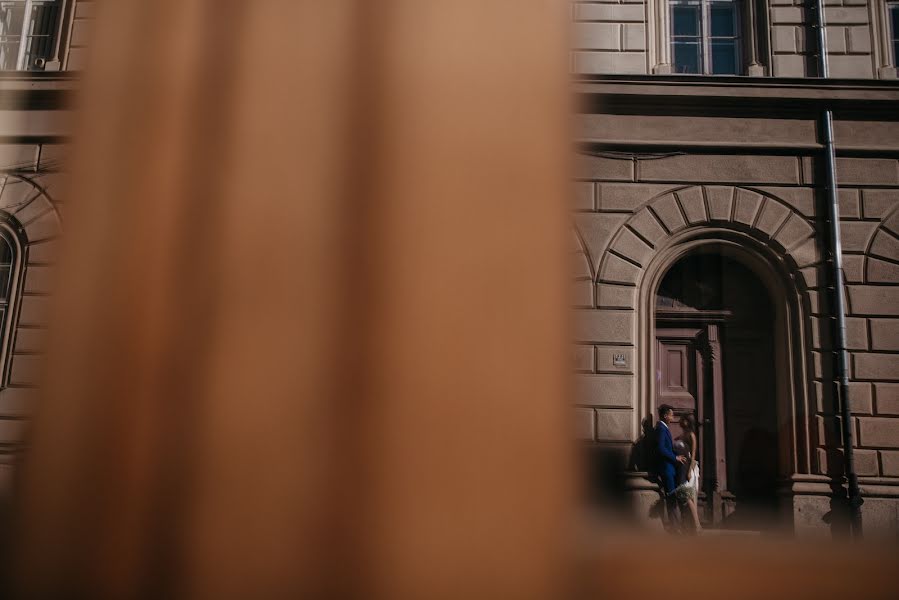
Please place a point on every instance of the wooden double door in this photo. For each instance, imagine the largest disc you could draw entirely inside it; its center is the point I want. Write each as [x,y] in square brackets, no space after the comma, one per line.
[723,373]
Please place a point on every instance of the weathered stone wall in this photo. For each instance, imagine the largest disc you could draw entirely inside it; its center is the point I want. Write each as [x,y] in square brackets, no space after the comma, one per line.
[870,233]
[627,37]
[610,37]
[629,205]
[31,202]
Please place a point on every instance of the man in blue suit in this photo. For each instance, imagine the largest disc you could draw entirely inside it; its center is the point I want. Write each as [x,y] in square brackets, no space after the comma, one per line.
[667,459]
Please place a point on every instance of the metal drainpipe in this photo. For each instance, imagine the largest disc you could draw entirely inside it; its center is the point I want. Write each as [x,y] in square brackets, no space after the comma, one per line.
[839,295]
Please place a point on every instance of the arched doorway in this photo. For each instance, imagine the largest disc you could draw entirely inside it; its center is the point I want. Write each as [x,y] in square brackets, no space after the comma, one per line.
[714,354]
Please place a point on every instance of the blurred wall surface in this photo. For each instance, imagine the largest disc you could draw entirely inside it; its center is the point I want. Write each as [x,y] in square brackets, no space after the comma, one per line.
[310,334]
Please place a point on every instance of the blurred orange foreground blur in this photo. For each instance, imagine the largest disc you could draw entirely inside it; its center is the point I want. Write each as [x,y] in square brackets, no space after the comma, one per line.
[312,335]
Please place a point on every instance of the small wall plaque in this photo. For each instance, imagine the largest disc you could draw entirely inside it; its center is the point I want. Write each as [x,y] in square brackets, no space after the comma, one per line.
[619,360]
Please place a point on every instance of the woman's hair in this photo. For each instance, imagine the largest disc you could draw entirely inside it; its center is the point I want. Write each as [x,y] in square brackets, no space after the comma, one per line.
[688,423]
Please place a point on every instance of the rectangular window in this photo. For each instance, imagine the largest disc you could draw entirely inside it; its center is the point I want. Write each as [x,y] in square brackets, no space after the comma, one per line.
[894,31]
[28,30]
[705,37]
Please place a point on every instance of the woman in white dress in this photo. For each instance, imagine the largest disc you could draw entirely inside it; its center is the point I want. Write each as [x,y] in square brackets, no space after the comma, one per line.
[688,489]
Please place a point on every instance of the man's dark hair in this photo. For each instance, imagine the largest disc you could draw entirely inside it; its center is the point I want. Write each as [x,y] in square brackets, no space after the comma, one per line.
[664,409]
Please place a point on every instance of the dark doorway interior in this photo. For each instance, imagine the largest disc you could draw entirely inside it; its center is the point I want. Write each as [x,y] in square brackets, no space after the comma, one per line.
[715,358]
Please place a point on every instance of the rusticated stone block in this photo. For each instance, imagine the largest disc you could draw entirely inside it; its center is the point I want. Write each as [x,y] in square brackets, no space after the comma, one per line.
[847,15]
[747,206]
[605,390]
[877,203]
[890,461]
[788,14]
[617,270]
[807,253]
[867,171]
[615,296]
[580,265]
[628,196]
[39,280]
[584,423]
[603,169]
[849,205]
[648,227]
[629,245]
[830,429]
[821,365]
[583,195]
[880,271]
[860,398]
[856,333]
[873,300]
[853,65]
[886,396]
[784,38]
[882,367]
[885,245]
[582,293]
[693,204]
[614,425]
[794,231]
[26,369]
[614,359]
[583,358]
[618,63]
[818,302]
[880,432]
[789,65]
[880,518]
[597,36]
[855,235]
[46,252]
[668,211]
[800,199]
[30,210]
[812,276]
[854,268]
[885,335]
[773,215]
[821,333]
[811,516]
[634,36]
[604,326]
[597,230]
[722,168]
[35,310]
[892,222]
[720,202]
[609,12]
[47,226]
[830,462]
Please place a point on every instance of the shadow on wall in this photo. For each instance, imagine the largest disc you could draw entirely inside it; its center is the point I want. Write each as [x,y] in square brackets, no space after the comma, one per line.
[610,475]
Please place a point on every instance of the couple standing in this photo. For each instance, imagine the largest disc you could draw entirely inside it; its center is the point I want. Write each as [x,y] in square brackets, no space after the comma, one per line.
[678,468]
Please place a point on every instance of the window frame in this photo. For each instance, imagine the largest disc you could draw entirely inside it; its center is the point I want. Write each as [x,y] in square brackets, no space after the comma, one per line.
[56,36]
[12,234]
[753,52]
[706,38]
[891,33]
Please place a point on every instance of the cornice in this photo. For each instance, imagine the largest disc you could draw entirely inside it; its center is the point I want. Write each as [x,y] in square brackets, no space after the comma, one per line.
[680,90]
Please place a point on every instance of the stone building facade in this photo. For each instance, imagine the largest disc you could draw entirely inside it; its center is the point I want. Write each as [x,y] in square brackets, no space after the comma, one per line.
[700,163]
[42,46]
[700,143]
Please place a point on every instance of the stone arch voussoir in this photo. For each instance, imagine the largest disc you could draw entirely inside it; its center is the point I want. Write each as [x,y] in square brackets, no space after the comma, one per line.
[32,207]
[763,216]
[882,255]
